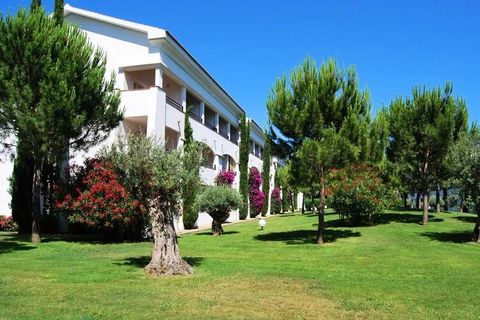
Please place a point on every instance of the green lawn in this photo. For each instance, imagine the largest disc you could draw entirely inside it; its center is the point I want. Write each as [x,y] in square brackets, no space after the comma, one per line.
[397,269]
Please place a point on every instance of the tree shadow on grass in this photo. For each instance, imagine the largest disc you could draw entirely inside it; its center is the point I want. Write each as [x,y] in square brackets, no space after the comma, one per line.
[469,219]
[306,236]
[209,233]
[142,261]
[454,236]
[14,243]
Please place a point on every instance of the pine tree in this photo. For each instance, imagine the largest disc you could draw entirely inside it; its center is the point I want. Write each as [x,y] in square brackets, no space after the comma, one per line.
[244,155]
[323,118]
[423,129]
[52,90]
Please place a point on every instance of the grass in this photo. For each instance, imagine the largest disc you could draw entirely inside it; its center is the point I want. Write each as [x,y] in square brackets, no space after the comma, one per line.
[396,269]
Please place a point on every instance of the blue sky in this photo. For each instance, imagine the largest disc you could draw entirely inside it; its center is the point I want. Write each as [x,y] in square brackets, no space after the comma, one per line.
[247,44]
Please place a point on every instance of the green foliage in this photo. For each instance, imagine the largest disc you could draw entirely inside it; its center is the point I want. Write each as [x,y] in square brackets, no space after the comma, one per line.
[21,189]
[267,160]
[243,165]
[423,128]
[58,11]
[309,203]
[192,157]
[218,201]
[35,4]
[53,91]
[358,194]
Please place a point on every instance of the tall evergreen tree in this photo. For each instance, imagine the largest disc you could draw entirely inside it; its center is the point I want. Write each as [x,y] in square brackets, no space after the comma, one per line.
[58,11]
[267,161]
[192,154]
[243,165]
[323,118]
[35,4]
[52,90]
[423,128]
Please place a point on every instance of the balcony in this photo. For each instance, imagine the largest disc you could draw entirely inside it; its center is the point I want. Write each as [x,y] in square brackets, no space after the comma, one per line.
[211,126]
[174,103]
[223,134]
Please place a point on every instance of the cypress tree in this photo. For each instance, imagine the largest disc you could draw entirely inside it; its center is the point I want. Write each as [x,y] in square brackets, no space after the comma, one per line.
[266,174]
[58,11]
[35,4]
[191,164]
[244,155]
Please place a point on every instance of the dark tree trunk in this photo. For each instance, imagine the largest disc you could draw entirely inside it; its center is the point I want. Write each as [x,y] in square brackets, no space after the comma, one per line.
[321,210]
[405,196]
[166,258]
[437,199]
[303,204]
[445,199]
[36,206]
[425,208]
[217,228]
[476,229]
[461,204]
[417,202]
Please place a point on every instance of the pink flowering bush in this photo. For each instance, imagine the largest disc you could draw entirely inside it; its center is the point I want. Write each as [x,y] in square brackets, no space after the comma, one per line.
[100,203]
[225,178]
[7,223]
[256,196]
[276,200]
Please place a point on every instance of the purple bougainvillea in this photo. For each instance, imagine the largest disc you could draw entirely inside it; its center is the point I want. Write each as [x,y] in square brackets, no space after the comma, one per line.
[256,196]
[225,178]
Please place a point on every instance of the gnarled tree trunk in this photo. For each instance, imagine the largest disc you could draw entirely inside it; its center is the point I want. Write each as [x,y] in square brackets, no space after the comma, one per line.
[217,228]
[166,258]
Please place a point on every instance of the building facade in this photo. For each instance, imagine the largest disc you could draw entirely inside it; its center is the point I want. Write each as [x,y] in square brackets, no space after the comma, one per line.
[157,79]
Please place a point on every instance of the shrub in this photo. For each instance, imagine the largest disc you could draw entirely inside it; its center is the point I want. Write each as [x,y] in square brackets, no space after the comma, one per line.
[309,204]
[276,200]
[358,193]
[225,178]
[218,201]
[7,224]
[101,204]
[256,196]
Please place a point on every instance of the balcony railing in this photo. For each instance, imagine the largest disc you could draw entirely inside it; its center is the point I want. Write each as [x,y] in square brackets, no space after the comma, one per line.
[211,126]
[174,104]
[223,134]
[234,139]
[195,116]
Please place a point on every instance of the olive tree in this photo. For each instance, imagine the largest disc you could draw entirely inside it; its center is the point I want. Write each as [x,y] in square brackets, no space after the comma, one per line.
[218,201]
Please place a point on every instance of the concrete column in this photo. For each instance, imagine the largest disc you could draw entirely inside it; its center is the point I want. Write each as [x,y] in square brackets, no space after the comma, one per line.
[121,81]
[217,121]
[159,77]
[202,111]
[228,130]
[156,116]
[183,98]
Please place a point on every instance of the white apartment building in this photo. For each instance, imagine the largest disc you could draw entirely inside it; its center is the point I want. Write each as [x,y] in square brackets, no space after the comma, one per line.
[157,79]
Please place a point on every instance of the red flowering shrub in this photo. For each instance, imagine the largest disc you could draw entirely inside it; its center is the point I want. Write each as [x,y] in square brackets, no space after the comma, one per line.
[7,224]
[225,178]
[276,200]
[101,204]
[358,193]
[256,196]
